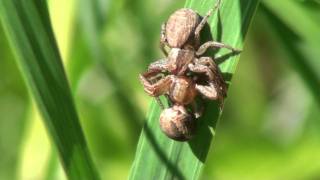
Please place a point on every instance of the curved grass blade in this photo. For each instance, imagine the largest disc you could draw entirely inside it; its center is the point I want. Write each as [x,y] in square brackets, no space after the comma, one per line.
[159,157]
[92,23]
[28,28]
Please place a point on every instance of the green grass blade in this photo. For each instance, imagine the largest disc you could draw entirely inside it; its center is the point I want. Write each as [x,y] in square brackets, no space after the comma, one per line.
[161,158]
[28,28]
[92,25]
[297,34]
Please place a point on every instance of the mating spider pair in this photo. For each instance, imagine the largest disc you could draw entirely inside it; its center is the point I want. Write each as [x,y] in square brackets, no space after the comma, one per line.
[185,73]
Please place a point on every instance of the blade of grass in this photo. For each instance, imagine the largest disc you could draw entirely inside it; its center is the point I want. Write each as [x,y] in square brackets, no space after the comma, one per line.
[92,25]
[28,28]
[299,20]
[158,156]
[296,34]
[13,110]
[62,20]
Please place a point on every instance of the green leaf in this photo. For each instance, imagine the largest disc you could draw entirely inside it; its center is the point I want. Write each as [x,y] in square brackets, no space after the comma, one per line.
[158,156]
[28,29]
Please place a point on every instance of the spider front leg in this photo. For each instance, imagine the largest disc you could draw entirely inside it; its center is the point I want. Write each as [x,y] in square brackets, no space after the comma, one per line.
[163,39]
[204,21]
[211,92]
[215,86]
[213,44]
[155,70]
[208,91]
[157,89]
[197,108]
[200,68]
[218,78]
[209,62]
[158,66]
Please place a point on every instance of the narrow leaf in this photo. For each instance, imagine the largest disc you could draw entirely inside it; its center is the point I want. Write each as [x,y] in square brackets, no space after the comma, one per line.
[28,29]
[159,157]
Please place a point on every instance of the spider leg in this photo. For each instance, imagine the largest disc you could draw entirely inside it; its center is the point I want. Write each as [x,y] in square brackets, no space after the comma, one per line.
[213,44]
[214,86]
[154,70]
[208,61]
[159,66]
[200,68]
[157,89]
[197,108]
[158,100]
[208,91]
[163,39]
[204,21]
[211,92]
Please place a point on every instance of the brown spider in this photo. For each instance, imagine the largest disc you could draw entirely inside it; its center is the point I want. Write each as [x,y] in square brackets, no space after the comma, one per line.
[185,72]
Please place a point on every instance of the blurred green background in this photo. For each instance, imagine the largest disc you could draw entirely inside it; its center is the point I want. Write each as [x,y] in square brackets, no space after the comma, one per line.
[270,125]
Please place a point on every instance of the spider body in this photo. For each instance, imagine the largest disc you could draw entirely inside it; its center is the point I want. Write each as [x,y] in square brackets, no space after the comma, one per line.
[178,59]
[177,123]
[181,26]
[182,90]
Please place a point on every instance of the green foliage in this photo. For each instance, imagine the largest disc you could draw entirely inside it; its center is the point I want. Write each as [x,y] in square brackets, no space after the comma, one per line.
[297,32]
[29,31]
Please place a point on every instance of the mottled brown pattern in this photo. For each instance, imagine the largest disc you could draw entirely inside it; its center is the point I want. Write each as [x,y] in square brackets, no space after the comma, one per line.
[182,91]
[180,25]
[177,123]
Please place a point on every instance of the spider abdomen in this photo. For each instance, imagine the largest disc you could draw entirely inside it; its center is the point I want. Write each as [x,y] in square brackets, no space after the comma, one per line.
[180,26]
[177,123]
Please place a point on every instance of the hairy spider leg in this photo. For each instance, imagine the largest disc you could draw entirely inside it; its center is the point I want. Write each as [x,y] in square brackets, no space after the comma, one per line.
[163,39]
[200,68]
[216,86]
[213,44]
[204,21]
[157,89]
[197,108]
[158,66]
[154,69]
